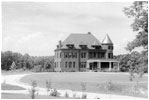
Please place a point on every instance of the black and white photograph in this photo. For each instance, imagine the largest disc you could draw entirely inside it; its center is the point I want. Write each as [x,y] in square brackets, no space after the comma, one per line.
[74,50]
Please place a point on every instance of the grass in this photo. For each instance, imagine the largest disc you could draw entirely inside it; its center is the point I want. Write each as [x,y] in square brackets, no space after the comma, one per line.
[95,81]
[27,96]
[10,87]
[13,72]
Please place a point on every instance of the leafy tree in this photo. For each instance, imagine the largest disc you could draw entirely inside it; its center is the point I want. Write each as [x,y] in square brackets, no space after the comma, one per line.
[13,66]
[9,59]
[138,11]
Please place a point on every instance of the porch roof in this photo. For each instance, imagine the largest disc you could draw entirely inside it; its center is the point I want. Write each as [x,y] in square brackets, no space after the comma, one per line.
[102,60]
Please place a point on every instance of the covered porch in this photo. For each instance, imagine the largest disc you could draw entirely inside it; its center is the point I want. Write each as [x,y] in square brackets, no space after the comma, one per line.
[102,64]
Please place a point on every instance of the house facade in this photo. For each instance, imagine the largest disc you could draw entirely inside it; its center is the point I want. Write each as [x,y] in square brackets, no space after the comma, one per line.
[84,52]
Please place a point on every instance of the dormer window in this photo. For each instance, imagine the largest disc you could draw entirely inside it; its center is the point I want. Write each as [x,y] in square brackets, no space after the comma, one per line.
[96,45]
[70,46]
[83,46]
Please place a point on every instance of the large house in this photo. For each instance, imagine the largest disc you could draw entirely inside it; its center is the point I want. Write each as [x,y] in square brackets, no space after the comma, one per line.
[84,52]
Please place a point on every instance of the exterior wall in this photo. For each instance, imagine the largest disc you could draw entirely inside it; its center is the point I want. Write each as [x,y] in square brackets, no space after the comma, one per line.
[106,46]
[83,59]
[57,59]
[61,60]
[64,60]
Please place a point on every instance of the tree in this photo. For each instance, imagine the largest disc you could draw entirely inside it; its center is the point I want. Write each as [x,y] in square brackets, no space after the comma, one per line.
[138,11]
[13,66]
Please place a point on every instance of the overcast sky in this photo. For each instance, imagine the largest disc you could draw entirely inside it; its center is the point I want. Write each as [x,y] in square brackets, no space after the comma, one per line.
[35,28]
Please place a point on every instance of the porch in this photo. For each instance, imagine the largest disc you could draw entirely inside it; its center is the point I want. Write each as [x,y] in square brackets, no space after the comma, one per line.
[102,64]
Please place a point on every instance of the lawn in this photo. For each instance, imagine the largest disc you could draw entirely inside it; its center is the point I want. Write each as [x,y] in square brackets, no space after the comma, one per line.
[96,81]
[27,96]
[10,87]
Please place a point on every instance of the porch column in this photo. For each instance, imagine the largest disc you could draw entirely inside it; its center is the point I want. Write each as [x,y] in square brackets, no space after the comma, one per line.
[118,65]
[99,65]
[87,65]
[109,66]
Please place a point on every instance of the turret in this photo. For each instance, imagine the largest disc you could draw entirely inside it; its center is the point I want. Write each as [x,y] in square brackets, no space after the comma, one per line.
[108,45]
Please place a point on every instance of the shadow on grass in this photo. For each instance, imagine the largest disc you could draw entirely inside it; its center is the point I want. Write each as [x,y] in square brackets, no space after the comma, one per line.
[27,96]
[10,87]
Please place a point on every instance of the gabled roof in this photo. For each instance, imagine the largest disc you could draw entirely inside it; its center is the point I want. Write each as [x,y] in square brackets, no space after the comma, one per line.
[77,39]
[107,40]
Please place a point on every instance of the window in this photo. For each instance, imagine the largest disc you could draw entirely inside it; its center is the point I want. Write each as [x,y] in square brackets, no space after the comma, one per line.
[75,55]
[57,55]
[73,64]
[83,64]
[65,55]
[69,55]
[110,55]
[60,54]
[110,47]
[70,46]
[83,46]
[83,55]
[70,64]
[102,55]
[55,64]
[66,64]
[94,54]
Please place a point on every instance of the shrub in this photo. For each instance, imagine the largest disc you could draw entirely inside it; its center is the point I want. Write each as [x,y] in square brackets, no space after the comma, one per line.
[109,86]
[54,93]
[84,96]
[37,68]
[48,86]
[33,90]
[83,85]
[66,94]
[132,76]
[74,95]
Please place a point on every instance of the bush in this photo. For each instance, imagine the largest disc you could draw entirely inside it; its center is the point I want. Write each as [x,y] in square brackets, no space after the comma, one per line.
[66,95]
[83,85]
[84,96]
[33,90]
[37,68]
[54,93]
[48,86]
[74,95]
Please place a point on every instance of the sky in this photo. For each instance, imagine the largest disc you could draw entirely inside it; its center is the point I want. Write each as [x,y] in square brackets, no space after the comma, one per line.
[36,27]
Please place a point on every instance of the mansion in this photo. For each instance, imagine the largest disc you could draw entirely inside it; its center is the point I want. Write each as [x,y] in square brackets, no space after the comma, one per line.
[84,52]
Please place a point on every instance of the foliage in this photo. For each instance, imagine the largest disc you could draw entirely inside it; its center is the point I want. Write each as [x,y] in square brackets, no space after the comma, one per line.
[134,61]
[109,85]
[33,90]
[66,94]
[54,93]
[37,68]
[74,95]
[83,86]
[84,96]
[138,11]
[25,62]
[13,66]
[48,86]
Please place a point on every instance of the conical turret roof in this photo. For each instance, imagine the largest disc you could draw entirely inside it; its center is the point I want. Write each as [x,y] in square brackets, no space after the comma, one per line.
[107,40]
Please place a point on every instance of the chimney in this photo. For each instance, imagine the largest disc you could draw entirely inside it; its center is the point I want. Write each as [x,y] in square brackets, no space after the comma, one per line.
[89,33]
[60,44]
